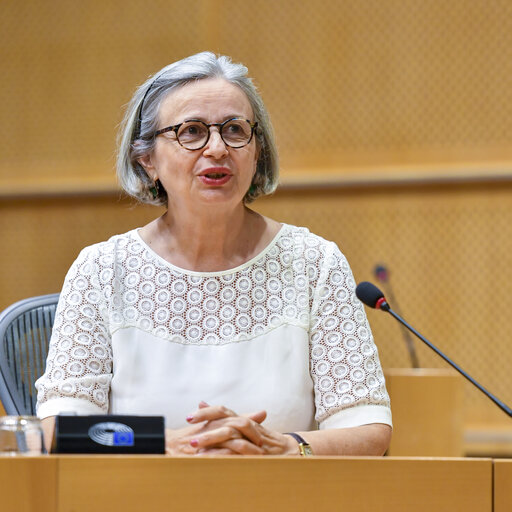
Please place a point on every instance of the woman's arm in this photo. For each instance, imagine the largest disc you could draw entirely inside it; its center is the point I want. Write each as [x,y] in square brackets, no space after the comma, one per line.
[79,363]
[372,439]
[227,433]
[218,431]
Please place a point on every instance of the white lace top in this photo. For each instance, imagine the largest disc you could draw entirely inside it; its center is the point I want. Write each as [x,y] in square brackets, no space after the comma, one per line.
[284,332]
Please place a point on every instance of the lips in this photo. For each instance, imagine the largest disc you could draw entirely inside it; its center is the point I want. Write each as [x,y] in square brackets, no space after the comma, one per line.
[215,172]
[215,176]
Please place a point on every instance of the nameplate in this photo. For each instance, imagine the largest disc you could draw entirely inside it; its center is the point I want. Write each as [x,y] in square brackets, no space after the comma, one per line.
[109,434]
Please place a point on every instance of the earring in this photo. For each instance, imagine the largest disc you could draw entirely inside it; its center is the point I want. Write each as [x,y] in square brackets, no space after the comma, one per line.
[155,189]
[252,188]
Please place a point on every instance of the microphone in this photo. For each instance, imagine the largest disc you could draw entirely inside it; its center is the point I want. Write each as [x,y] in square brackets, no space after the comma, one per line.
[382,274]
[370,295]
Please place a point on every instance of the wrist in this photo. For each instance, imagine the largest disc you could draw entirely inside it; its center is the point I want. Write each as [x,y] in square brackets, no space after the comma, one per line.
[292,447]
[301,446]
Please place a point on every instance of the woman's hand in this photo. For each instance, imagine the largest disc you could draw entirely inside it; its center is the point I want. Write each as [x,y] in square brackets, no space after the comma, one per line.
[220,427]
[223,432]
[216,430]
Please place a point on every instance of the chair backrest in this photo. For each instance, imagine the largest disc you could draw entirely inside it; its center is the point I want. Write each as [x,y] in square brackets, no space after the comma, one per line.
[25,329]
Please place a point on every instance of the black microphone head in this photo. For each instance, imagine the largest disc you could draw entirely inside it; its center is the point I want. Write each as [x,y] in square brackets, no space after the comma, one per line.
[370,295]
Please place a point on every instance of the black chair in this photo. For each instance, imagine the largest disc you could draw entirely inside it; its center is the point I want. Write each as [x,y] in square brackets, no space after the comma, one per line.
[25,330]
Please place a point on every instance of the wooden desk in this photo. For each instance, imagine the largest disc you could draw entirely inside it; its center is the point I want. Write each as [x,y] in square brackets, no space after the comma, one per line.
[427,406]
[86,483]
[28,484]
[502,485]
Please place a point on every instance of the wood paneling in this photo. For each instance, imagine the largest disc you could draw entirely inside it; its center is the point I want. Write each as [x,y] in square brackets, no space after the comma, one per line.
[349,84]
[285,484]
[41,238]
[502,485]
[28,484]
[428,412]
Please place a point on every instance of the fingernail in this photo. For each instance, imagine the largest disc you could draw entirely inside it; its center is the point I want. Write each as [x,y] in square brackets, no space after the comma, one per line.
[190,418]
[194,442]
[202,403]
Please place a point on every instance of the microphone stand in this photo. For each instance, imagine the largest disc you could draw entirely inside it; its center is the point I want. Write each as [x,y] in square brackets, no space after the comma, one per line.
[385,307]
[381,273]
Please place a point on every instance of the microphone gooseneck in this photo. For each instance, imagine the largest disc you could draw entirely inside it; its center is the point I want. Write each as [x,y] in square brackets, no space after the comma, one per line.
[370,295]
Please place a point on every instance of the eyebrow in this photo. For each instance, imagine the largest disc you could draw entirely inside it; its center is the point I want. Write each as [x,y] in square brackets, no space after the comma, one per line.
[207,121]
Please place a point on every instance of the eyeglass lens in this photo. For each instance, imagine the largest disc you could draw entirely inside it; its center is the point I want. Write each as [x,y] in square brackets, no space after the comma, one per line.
[236,133]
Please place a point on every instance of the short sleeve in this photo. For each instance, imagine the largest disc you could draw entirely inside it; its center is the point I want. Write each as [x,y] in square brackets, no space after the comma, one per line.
[79,363]
[348,379]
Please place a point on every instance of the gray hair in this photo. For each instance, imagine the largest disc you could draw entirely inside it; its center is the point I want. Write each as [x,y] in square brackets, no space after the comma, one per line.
[136,137]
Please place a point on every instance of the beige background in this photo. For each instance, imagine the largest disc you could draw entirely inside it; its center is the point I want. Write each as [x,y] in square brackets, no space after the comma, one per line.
[350,84]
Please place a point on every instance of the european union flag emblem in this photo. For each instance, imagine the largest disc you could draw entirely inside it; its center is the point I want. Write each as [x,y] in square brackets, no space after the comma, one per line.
[124,439]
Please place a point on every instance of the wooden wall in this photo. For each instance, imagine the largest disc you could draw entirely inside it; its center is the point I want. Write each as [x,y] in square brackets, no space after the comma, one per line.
[352,85]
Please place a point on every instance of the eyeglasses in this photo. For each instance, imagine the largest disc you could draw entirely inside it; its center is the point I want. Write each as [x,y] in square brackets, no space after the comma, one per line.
[194,134]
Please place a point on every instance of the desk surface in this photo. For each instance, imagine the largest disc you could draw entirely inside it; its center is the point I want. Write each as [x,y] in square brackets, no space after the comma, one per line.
[128,483]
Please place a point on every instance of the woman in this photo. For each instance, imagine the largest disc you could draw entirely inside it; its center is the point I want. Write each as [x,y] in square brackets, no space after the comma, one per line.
[212,303]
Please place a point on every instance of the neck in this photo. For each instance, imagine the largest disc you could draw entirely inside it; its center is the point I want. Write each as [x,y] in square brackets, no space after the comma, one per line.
[210,241]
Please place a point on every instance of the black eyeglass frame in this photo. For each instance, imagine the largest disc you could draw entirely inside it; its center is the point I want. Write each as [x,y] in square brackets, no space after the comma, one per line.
[176,127]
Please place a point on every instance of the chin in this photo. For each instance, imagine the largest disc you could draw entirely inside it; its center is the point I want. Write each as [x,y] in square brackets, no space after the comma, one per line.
[219,196]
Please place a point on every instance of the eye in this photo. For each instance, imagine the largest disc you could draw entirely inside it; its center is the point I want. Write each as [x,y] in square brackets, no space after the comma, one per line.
[237,130]
[234,127]
[192,131]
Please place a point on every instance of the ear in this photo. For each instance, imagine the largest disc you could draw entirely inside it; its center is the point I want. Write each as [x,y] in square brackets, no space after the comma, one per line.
[148,166]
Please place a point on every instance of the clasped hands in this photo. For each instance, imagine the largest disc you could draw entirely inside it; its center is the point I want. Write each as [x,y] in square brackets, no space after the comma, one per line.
[218,431]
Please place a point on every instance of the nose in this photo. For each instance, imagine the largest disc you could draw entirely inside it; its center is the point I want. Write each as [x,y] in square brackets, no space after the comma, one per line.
[215,146]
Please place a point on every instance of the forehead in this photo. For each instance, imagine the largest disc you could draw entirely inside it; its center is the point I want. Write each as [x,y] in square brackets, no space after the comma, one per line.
[211,99]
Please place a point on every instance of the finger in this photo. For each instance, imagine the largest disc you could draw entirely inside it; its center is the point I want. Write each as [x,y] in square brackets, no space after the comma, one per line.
[258,417]
[235,427]
[215,437]
[202,404]
[243,447]
[247,425]
[210,413]
[247,428]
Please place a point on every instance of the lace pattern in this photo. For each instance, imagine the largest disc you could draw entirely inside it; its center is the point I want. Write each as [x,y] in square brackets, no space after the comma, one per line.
[299,279]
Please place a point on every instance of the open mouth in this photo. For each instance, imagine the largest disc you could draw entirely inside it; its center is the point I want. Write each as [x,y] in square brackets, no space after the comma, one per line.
[215,175]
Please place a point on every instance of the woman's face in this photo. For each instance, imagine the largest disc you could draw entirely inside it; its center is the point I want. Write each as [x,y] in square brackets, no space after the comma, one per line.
[216,174]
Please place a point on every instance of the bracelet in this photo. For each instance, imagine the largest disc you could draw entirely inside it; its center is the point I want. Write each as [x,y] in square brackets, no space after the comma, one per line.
[304,447]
